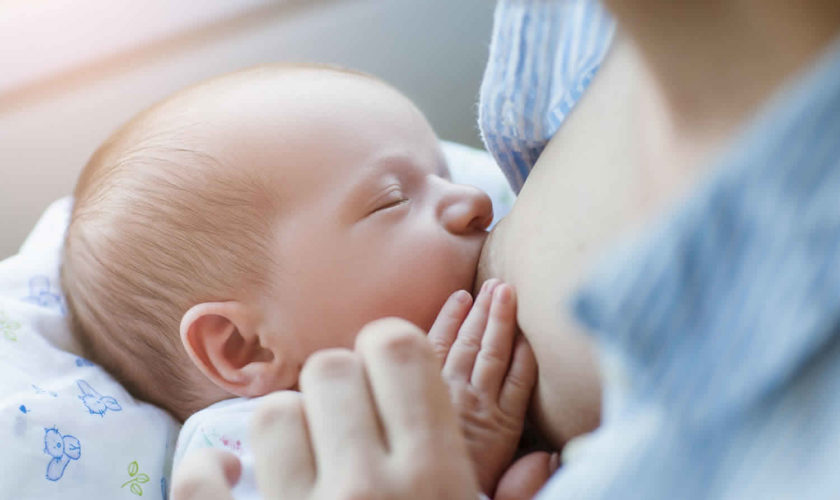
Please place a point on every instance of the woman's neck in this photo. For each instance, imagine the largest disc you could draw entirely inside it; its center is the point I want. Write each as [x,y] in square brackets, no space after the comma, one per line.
[714,62]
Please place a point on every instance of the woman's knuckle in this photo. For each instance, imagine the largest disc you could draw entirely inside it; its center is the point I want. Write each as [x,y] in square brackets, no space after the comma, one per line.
[330,363]
[276,408]
[375,332]
[403,346]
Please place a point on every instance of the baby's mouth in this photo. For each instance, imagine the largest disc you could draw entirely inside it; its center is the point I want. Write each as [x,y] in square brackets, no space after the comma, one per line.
[490,260]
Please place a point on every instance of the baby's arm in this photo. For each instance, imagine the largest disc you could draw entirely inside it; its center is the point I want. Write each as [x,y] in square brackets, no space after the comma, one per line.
[490,372]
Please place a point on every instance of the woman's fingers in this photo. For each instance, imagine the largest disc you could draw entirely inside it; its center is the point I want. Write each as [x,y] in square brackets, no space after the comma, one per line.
[206,475]
[334,384]
[493,359]
[519,380]
[283,458]
[526,476]
[328,441]
[411,398]
[449,320]
[461,358]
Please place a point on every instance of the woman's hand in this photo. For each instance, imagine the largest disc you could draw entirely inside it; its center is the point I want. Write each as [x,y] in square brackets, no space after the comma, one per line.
[527,476]
[490,372]
[374,423]
[209,474]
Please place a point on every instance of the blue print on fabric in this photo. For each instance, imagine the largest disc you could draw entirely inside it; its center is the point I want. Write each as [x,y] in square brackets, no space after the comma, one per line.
[42,294]
[96,403]
[39,390]
[63,449]
[163,489]
[80,362]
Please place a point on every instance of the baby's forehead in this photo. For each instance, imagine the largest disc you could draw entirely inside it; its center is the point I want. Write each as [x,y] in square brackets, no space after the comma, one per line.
[262,85]
[268,84]
[273,125]
[263,96]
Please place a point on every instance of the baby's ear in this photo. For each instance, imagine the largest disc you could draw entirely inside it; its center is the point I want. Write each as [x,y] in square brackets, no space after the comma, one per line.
[223,341]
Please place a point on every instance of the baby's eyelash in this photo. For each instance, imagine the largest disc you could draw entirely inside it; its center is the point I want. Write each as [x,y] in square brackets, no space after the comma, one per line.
[391,198]
[392,204]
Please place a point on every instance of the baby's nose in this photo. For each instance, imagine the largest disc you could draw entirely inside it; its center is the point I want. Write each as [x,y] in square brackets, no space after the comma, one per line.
[466,209]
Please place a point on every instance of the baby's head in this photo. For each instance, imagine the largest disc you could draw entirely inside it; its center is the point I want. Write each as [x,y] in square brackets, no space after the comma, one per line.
[222,236]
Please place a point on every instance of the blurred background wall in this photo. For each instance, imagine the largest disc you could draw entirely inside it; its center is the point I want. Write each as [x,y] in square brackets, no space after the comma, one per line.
[71,71]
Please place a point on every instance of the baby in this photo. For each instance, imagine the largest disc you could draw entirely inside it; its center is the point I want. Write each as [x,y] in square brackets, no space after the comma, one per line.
[224,235]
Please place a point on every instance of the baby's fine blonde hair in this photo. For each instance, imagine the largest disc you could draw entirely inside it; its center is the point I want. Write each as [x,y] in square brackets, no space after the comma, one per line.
[158,226]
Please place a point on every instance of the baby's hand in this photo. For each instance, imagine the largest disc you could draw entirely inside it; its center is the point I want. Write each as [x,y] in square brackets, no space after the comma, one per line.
[490,372]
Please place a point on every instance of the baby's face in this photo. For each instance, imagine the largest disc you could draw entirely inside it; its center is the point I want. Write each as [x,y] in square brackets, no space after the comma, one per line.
[369,223]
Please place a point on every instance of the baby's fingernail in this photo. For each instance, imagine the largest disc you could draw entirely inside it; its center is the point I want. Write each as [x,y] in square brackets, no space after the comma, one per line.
[489,285]
[461,296]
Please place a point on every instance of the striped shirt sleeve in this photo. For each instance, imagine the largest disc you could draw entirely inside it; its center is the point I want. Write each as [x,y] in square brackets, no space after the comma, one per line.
[542,57]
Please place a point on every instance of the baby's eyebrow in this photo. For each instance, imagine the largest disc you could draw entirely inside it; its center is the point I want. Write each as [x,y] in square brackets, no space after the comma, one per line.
[397,163]
[361,189]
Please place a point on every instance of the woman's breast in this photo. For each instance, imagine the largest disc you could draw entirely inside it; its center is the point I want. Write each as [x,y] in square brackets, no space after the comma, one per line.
[582,193]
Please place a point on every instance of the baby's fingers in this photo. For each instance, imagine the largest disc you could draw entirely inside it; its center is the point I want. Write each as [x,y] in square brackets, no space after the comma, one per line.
[445,329]
[493,359]
[519,381]
[461,358]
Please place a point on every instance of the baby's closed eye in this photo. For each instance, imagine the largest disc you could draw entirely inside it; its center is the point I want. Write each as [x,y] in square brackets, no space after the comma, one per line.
[392,197]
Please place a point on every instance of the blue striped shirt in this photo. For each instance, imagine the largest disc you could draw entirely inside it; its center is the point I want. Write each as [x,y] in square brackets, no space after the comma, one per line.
[723,319]
[542,57]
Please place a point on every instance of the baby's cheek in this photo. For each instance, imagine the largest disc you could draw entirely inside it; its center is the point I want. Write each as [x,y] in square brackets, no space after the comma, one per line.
[427,306]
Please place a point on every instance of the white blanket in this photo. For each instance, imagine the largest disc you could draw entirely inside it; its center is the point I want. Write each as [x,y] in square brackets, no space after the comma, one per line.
[69,430]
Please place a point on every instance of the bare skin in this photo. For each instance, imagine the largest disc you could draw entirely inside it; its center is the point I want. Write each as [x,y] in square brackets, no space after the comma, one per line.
[710,41]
